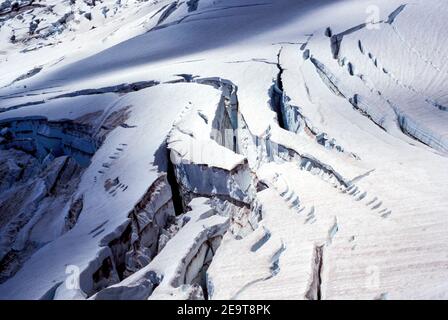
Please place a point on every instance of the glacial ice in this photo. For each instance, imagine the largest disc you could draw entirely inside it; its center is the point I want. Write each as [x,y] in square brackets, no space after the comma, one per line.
[223,149]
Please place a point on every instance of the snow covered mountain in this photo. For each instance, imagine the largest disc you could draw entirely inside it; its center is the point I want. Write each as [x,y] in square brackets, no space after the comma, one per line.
[223,149]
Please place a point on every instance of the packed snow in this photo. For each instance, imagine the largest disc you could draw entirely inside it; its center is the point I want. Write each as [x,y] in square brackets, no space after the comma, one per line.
[223,149]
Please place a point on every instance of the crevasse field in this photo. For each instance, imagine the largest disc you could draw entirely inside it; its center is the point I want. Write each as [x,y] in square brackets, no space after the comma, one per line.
[226,149]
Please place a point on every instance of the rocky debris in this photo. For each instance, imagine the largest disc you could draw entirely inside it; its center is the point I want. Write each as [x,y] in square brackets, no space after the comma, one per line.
[41,193]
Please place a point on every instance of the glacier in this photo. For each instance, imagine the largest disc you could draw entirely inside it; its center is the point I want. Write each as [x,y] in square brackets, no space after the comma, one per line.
[223,149]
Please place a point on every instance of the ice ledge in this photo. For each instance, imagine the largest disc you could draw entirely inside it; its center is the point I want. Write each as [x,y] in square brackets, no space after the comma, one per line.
[171,272]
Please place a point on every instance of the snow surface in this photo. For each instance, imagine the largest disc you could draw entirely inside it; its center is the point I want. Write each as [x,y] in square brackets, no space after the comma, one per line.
[307,142]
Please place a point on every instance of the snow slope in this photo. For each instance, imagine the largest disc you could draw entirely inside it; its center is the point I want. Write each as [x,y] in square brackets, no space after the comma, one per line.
[223,149]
